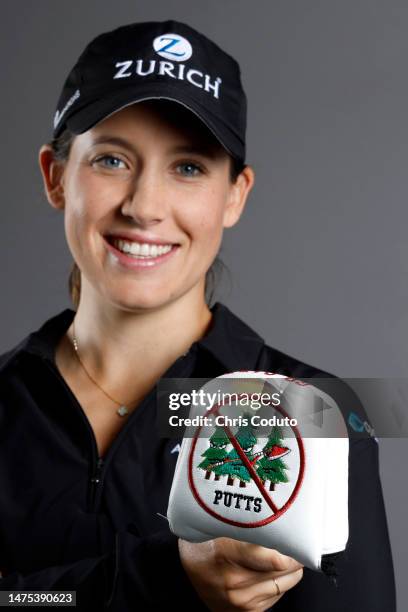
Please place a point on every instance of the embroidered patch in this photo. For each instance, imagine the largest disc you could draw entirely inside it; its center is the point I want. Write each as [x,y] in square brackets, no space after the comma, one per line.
[243,479]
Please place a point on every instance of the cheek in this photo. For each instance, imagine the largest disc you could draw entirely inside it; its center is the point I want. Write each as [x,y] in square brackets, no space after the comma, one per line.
[203,219]
[86,205]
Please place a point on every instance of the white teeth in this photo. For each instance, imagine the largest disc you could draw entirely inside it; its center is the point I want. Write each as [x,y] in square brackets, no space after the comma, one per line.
[141,249]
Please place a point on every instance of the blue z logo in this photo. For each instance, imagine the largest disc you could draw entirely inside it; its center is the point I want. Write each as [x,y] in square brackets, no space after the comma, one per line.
[355,422]
[358,425]
[173,41]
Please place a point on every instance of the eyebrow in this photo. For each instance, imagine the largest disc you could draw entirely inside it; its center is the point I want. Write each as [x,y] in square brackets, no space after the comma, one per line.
[190,148]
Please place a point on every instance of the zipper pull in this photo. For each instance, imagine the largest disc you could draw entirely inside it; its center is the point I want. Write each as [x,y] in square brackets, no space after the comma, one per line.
[96,478]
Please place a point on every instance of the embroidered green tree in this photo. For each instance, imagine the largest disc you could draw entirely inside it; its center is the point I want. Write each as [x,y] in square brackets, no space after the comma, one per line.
[233,466]
[215,453]
[271,469]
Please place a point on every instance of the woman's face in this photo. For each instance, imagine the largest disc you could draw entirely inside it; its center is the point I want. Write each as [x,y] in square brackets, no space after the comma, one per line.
[146,194]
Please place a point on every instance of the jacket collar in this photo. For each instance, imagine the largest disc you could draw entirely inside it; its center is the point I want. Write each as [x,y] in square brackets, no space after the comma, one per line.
[230,341]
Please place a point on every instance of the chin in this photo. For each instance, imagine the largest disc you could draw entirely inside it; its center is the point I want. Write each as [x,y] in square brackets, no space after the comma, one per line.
[139,303]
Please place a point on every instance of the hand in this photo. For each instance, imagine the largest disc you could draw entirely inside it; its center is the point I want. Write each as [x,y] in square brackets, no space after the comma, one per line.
[230,575]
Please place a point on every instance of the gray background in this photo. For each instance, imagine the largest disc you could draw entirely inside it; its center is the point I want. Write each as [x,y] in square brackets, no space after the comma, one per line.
[319,260]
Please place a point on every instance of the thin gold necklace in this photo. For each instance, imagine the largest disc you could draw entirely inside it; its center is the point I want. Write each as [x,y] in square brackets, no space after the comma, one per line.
[122,410]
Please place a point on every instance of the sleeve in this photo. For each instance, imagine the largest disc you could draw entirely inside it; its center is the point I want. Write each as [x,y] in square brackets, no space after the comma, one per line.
[138,573]
[365,570]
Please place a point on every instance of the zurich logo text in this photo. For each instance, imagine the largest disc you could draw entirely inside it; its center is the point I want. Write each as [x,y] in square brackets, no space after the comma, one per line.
[142,68]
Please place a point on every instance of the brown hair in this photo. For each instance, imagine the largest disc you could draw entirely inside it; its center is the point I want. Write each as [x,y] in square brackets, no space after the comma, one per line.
[61,147]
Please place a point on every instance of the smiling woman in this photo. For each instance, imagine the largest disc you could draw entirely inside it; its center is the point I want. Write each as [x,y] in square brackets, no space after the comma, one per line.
[170,181]
[147,166]
[61,147]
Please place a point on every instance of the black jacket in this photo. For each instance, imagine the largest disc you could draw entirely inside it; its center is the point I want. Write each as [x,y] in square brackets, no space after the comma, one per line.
[69,520]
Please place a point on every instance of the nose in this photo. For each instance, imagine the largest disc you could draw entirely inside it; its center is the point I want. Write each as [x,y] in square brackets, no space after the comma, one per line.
[145,203]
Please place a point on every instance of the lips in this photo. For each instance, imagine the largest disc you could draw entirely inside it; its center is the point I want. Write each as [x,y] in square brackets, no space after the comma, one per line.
[141,253]
[139,238]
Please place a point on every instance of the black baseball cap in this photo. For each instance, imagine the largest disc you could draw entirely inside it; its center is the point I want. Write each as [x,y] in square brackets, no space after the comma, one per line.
[156,60]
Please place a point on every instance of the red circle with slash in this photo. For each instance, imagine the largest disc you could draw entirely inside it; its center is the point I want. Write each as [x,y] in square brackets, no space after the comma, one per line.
[276,512]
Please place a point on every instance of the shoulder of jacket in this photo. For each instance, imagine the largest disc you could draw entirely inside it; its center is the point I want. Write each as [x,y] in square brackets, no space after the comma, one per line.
[282,363]
[36,339]
[345,397]
[9,357]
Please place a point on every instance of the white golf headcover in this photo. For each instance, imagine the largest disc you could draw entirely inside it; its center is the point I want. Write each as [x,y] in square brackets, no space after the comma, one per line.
[286,490]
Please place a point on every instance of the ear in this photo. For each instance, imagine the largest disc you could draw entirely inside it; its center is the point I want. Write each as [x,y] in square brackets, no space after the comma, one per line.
[238,195]
[52,172]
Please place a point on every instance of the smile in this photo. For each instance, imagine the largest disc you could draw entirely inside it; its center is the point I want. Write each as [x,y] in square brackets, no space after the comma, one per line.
[141,249]
[136,255]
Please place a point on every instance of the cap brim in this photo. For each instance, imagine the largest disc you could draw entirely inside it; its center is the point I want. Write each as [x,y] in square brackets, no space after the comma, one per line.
[90,114]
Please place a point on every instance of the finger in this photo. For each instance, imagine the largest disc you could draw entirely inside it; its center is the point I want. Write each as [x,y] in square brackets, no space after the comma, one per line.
[271,590]
[243,577]
[260,558]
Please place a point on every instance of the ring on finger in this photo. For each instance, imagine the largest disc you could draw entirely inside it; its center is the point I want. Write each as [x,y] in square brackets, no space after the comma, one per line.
[278,591]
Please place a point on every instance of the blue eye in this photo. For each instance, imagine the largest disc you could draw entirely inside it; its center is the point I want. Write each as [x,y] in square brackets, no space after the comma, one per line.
[109,157]
[190,169]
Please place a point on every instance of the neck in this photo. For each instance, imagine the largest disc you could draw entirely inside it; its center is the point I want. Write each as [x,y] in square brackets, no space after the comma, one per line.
[117,344]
